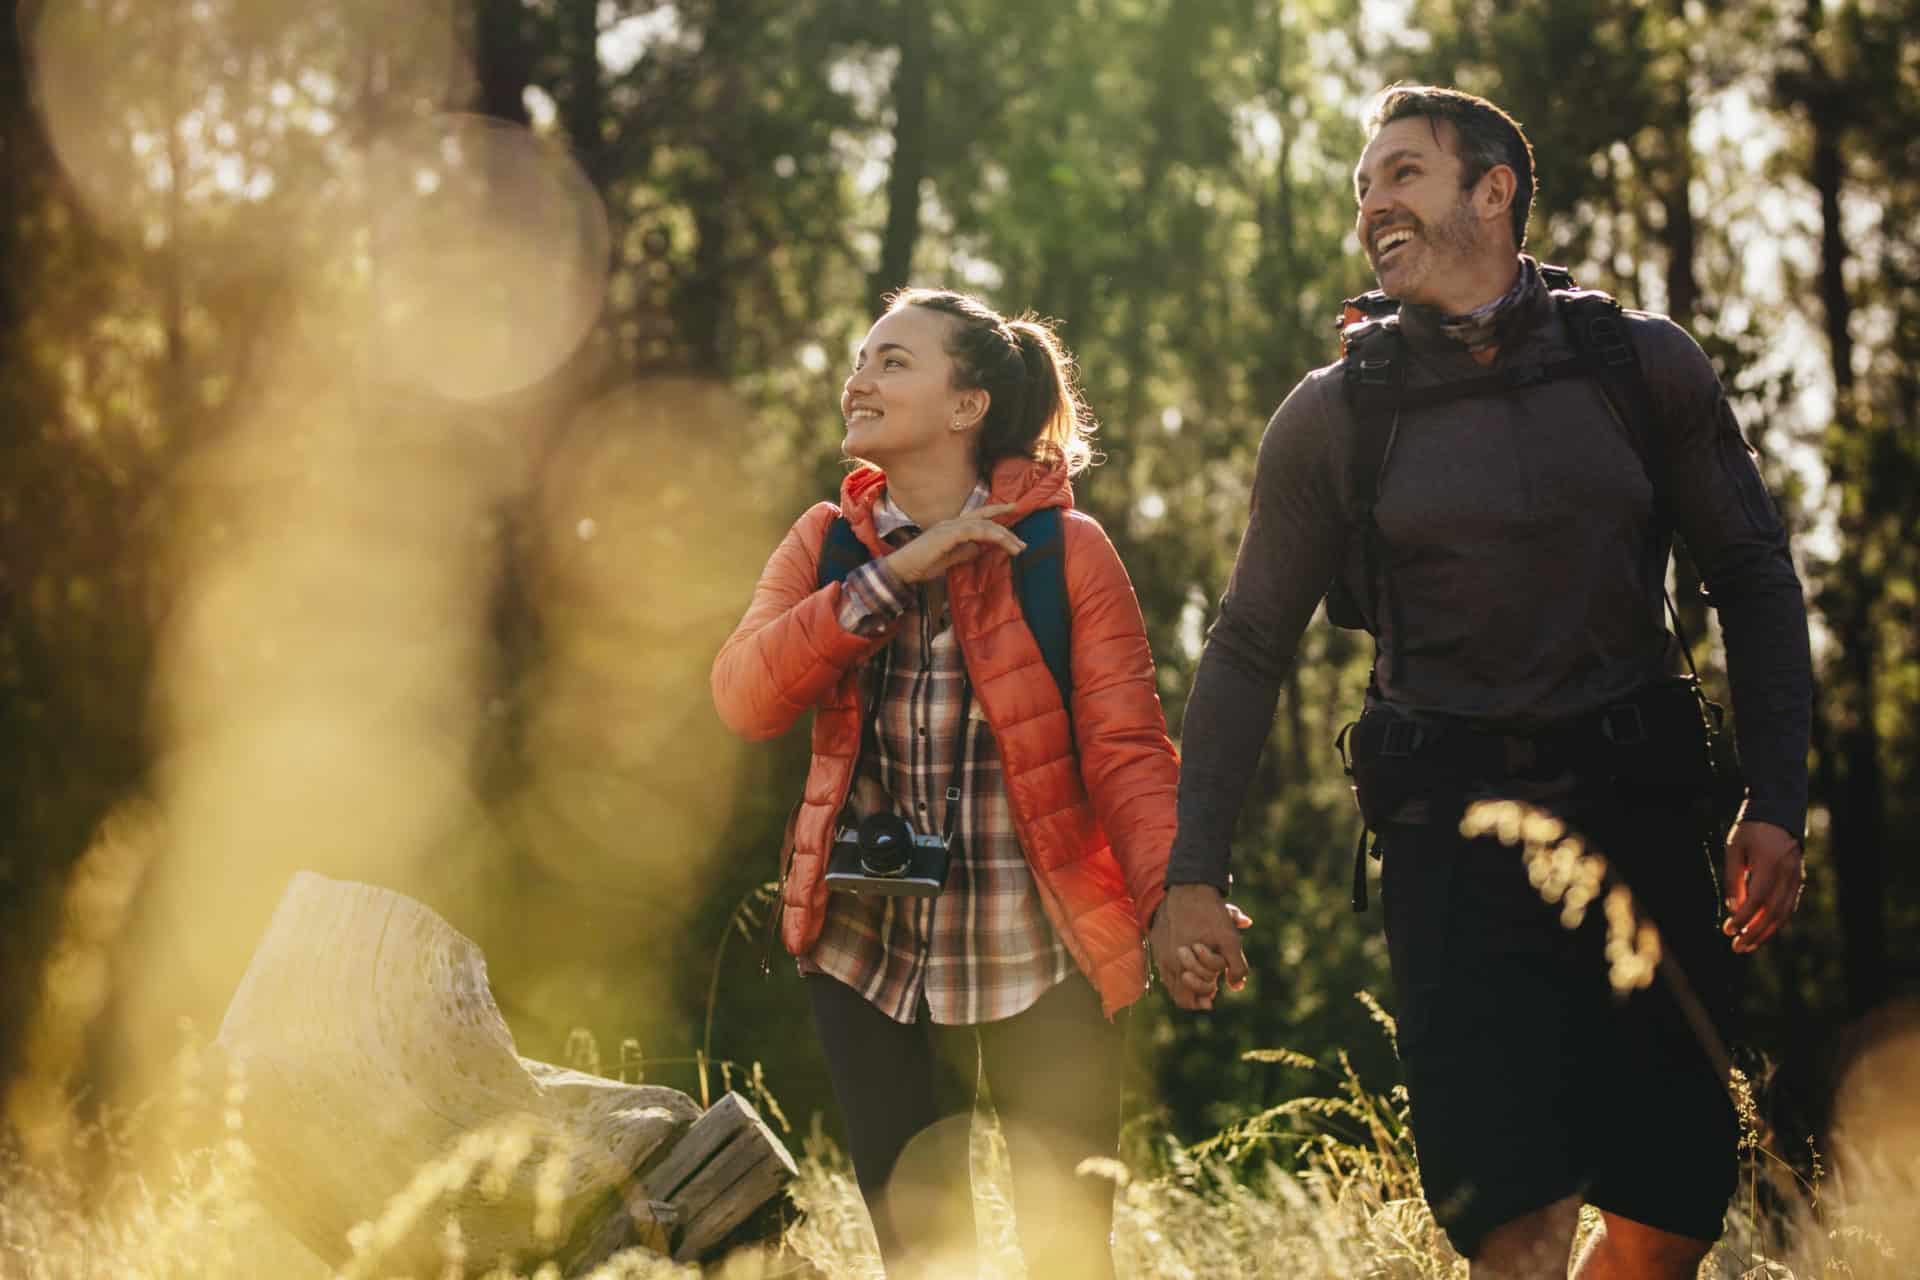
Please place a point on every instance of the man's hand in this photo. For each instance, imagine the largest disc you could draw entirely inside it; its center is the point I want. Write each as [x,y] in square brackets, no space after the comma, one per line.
[1195,937]
[1766,870]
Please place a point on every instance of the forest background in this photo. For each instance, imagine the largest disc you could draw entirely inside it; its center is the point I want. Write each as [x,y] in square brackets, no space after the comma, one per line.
[399,401]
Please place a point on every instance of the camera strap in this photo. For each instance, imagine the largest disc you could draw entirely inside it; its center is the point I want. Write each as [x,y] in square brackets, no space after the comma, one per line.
[959,757]
[870,737]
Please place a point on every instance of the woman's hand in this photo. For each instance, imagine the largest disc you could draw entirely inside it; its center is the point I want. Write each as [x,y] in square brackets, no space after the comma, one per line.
[953,542]
[1195,944]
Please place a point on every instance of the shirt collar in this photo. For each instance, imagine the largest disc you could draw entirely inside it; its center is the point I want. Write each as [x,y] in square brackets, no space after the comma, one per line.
[889,519]
[1480,327]
[1495,324]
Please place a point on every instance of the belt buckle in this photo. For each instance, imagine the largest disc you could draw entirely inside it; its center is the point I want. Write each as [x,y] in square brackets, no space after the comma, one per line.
[1523,376]
[1623,726]
[1522,754]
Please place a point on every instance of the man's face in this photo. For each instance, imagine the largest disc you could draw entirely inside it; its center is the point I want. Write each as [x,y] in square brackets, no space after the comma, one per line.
[1416,223]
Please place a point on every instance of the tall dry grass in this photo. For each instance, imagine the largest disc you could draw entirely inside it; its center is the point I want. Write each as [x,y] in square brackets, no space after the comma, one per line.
[1324,1185]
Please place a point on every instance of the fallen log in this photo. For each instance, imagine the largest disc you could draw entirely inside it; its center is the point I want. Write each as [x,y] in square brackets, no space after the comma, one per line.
[727,1165]
[395,1128]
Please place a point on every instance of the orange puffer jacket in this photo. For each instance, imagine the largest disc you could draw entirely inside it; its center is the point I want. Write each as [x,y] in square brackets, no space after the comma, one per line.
[1095,826]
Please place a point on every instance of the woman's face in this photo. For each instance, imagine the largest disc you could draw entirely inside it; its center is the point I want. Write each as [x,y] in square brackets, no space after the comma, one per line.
[900,399]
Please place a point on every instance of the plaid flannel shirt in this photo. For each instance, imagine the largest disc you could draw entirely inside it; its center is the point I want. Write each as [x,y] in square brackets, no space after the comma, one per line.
[983,949]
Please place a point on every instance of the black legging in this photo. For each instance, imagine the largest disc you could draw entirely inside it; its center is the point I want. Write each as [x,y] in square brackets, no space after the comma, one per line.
[1053,1073]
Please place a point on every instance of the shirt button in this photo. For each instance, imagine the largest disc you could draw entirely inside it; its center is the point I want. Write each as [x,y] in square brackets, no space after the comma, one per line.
[923,804]
[923,733]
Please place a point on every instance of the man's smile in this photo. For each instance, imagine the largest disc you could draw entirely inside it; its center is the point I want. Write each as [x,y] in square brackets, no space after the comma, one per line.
[1385,242]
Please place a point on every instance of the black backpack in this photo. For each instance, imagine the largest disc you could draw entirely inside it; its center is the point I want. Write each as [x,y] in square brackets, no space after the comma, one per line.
[1373,373]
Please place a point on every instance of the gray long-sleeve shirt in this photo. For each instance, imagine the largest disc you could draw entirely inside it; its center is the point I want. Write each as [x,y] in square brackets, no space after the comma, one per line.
[1521,547]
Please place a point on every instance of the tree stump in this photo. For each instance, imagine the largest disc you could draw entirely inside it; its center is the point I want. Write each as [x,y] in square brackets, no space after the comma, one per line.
[390,1116]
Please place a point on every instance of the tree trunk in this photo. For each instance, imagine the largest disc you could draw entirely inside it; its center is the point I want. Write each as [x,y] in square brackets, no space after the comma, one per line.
[171,266]
[24,162]
[1859,818]
[585,109]
[503,62]
[705,299]
[909,153]
[1678,237]
[1297,765]
[1849,601]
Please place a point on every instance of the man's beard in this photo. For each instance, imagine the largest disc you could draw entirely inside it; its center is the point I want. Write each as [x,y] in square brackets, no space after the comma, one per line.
[1456,238]
[1453,239]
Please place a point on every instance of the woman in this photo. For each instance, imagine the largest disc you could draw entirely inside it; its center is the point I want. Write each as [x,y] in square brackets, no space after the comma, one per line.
[964,423]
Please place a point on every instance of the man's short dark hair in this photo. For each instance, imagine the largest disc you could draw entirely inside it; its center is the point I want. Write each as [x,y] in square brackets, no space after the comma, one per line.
[1486,136]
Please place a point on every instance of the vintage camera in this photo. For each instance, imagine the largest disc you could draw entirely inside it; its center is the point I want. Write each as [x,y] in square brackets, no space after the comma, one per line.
[885,856]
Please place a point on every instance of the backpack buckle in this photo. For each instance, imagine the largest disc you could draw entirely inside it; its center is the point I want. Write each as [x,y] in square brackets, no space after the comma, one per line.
[1401,739]
[1610,341]
[1373,373]
[1623,726]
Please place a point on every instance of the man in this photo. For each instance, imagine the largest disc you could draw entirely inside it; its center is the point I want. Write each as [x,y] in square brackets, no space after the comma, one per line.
[1513,574]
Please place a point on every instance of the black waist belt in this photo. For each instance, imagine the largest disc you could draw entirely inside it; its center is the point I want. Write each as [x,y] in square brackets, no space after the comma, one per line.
[1658,732]
[1478,751]
[1656,737]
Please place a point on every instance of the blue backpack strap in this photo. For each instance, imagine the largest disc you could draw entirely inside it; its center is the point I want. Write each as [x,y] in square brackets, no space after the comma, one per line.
[841,553]
[1040,585]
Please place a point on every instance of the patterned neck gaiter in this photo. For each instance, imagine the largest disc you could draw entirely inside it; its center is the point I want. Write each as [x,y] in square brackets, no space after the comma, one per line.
[1478,328]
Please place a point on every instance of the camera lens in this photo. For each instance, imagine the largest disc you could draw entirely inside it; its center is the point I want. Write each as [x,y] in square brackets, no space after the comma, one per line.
[886,844]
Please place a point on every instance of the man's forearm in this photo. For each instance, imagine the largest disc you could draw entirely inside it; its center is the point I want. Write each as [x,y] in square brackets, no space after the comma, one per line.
[1229,714]
[1770,669]
[1294,539]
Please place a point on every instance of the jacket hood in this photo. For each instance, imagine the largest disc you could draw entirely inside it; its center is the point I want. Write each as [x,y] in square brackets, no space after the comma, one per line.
[1028,484]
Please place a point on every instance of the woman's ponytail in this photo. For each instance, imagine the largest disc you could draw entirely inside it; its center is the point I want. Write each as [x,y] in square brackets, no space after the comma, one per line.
[1051,421]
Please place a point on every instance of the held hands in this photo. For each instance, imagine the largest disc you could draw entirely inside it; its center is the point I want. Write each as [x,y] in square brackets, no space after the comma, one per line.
[953,542]
[1195,942]
[1766,870]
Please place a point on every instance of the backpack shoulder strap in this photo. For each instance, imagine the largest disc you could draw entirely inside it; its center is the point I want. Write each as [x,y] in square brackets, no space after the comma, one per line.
[841,553]
[1597,324]
[1598,327]
[1556,278]
[1372,377]
[1040,585]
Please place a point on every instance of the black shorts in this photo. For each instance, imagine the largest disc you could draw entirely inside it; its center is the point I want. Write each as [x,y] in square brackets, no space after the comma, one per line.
[1530,1080]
